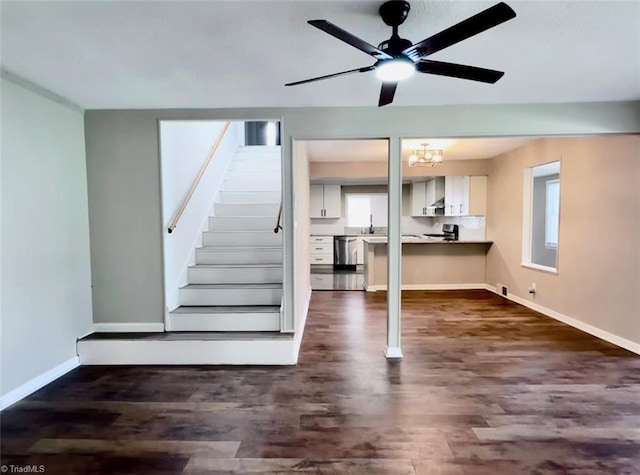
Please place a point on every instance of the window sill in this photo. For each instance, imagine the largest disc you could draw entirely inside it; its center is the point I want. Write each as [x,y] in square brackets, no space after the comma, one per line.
[548,270]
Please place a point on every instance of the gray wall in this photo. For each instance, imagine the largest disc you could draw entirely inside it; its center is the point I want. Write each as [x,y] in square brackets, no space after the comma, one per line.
[124,175]
[46,287]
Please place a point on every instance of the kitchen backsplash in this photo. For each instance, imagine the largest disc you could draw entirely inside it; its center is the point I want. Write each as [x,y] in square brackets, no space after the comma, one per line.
[471,227]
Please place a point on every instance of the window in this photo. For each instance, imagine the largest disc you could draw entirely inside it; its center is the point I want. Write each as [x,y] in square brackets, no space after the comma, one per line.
[541,217]
[362,208]
[552,214]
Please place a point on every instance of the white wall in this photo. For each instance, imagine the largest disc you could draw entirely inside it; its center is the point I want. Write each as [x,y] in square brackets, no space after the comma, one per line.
[302,277]
[184,147]
[46,277]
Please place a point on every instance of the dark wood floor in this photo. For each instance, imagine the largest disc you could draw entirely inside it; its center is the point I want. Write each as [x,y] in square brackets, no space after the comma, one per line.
[485,387]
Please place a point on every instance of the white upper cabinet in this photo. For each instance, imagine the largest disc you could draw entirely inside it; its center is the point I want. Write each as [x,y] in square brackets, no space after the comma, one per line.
[418,198]
[324,201]
[424,195]
[465,196]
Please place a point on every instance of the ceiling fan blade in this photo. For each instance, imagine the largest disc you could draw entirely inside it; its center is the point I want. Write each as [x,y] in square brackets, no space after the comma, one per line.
[458,71]
[387,92]
[348,38]
[320,78]
[483,21]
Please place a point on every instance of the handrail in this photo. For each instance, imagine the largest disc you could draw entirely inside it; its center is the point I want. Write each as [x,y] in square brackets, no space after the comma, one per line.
[203,169]
[278,225]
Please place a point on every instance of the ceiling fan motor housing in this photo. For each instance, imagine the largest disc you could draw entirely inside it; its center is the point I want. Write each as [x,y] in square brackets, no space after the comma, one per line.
[394,12]
[394,46]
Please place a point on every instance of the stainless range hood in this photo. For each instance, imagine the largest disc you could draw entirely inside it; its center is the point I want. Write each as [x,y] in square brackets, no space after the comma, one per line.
[438,204]
[435,191]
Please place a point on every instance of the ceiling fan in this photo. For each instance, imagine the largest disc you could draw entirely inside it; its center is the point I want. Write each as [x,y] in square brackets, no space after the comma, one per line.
[397,58]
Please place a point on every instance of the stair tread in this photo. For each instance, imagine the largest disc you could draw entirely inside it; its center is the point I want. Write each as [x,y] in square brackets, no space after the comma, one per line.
[242,266]
[236,248]
[227,309]
[191,335]
[263,231]
[231,286]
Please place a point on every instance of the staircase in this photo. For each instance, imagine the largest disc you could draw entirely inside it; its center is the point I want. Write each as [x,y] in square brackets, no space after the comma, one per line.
[236,282]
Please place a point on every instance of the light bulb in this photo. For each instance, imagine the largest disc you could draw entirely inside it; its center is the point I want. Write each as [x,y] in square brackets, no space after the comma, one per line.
[396,69]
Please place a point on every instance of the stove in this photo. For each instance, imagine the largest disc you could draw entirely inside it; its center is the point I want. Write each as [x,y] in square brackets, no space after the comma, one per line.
[450,232]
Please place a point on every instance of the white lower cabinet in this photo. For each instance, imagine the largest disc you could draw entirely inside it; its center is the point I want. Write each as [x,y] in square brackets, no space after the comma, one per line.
[321,250]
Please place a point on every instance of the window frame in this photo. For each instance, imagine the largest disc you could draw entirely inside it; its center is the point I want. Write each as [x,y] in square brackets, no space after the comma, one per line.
[527,218]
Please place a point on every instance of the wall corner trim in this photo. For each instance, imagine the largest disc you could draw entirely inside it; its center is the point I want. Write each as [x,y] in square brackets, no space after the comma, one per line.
[300,331]
[128,327]
[572,322]
[38,382]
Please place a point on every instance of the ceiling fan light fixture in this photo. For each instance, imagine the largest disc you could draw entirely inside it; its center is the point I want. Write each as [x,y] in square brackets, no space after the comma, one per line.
[394,70]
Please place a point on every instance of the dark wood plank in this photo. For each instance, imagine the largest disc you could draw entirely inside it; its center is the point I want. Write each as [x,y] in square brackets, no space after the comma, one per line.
[486,387]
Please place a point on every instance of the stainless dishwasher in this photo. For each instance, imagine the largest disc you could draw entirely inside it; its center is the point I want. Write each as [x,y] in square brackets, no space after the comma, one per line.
[344,252]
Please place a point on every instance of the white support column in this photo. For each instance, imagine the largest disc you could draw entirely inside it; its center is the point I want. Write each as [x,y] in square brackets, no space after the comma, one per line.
[394,249]
[287,316]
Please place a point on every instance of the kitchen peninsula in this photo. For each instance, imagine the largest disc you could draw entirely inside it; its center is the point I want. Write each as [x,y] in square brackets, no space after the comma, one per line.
[427,264]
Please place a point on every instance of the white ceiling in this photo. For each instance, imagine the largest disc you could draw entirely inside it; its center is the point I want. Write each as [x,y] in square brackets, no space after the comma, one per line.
[167,54]
[377,150]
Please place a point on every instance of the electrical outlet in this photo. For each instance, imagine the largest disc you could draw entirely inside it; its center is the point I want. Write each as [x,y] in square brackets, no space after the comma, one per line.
[504,290]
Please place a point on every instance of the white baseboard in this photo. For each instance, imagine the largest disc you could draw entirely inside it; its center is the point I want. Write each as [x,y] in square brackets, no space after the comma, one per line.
[38,382]
[393,352]
[585,327]
[463,286]
[128,327]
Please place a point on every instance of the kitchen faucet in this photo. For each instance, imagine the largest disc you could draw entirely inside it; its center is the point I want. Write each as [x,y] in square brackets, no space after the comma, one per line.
[371,224]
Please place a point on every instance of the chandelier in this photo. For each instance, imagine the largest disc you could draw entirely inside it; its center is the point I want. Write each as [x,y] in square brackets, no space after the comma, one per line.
[425,157]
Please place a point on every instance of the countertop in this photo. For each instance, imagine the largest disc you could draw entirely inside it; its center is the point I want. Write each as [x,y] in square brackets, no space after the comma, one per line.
[426,240]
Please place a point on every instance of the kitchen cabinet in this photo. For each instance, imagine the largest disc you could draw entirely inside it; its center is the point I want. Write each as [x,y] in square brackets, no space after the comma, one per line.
[359,251]
[321,249]
[424,195]
[456,196]
[465,196]
[324,201]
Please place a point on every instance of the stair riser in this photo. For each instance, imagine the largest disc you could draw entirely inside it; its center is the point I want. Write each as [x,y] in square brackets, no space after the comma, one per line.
[249,196]
[250,209]
[258,150]
[225,322]
[230,239]
[239,257]
[253,175]
[252,185]
[231,223]
[224,297]
[256,165]
[234,275]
